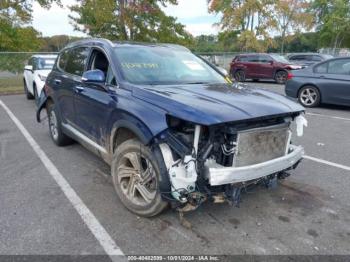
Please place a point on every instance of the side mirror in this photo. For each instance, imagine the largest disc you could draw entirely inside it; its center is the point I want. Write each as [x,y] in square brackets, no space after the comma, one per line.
[28,67]
[93,76]
[223,70]
[271,62]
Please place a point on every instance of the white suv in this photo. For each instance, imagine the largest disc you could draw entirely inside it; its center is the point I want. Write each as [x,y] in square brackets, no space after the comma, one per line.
[35,73]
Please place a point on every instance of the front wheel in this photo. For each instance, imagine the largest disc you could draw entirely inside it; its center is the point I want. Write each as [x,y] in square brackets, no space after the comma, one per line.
[136,177]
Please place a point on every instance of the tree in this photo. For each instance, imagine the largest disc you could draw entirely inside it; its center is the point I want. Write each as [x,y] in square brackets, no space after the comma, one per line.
[15,34]
[135,20]
[291,16]
[333,21]
[251,19]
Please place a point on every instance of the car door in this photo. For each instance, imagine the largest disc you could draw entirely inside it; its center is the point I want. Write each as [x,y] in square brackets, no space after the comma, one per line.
[334,82]
[253,66]
[95,102]
[266,68]
[67,79]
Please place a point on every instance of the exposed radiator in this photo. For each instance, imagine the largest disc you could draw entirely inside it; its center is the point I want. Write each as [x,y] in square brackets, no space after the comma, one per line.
[261,144]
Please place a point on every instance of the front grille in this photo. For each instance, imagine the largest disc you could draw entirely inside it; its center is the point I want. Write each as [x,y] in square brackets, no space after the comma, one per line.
[261,144]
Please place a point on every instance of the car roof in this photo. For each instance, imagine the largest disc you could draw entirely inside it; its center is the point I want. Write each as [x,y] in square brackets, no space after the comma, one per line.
[108,43]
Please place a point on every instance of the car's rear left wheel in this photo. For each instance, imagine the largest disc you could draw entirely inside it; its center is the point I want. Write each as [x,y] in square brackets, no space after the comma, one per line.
[281,77]
[136,178]
[55,127]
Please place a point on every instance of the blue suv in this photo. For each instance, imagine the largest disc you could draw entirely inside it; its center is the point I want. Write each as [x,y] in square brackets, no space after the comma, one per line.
[171,126]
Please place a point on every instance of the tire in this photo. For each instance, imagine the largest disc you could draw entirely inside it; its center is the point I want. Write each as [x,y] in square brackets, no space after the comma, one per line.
[138,191]
[239,76]
[281,77]
[309,96]
[28,95]
[55,127]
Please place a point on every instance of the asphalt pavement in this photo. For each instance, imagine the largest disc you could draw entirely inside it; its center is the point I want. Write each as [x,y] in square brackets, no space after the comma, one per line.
[308,213]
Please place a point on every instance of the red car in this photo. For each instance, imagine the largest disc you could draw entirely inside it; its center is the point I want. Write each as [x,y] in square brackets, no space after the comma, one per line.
[261,66]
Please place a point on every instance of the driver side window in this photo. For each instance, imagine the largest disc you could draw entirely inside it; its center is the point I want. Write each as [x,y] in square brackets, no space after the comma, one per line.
[99,61]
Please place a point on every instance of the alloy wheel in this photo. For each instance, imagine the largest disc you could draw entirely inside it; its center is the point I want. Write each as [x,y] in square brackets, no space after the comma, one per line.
[308,96]
[137,179]
[53,125]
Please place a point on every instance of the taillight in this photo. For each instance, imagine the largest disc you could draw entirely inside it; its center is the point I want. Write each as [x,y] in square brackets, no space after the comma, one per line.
[290,76]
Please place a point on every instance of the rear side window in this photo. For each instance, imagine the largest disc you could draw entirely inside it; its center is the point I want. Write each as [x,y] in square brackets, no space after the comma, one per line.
[77,60]
[253,58]
[321,69]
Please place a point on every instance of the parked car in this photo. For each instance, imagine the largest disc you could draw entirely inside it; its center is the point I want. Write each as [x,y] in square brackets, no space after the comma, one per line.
[326,82]
[307,59]
[35,73]
[261,66]
[171,127]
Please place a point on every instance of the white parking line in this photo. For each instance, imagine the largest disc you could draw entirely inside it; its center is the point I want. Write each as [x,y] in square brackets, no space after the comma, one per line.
[86,215]
[334,117]
[327,162]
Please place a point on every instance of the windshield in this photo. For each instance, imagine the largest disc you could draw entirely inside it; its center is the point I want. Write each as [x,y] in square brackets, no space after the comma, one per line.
[157,65]
[45,63]
[279,59]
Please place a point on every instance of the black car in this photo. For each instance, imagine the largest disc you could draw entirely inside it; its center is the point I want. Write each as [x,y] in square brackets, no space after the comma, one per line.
[170,125]
[307,59]
[326,82]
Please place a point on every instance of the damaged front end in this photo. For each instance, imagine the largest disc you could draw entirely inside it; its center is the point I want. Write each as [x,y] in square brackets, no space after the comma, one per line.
[217,162]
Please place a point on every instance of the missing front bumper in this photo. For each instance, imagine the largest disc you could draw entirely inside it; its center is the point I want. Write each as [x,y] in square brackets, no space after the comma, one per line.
[220,175]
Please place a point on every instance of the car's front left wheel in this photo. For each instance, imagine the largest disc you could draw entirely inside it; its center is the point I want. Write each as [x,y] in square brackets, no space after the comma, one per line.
[136,177]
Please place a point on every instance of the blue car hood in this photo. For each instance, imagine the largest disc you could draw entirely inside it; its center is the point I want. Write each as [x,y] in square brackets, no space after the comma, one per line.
[214,104]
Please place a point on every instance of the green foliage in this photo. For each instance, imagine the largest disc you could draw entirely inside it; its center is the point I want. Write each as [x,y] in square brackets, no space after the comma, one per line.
[15,15]
[56,43]
[135,20]
[333,22]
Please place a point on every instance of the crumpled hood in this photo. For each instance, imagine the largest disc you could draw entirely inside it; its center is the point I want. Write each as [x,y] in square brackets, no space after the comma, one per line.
[214,104]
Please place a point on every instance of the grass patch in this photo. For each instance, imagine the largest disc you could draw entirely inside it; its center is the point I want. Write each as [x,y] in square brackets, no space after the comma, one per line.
[11,85]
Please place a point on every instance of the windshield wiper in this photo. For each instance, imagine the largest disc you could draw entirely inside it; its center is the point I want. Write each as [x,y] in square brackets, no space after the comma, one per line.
[195,83]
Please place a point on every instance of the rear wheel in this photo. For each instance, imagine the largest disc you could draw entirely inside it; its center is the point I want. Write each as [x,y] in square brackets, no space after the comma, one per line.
[55,127]
[239,76]
[136,178]
[309,96]
[281,77]
[28,95]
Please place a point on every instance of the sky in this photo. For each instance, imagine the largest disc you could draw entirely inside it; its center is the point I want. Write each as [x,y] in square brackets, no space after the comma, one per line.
[192,13]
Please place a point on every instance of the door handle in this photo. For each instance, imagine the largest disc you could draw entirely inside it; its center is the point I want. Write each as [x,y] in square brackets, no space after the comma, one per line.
[322,76]
[57,81]
[78,89]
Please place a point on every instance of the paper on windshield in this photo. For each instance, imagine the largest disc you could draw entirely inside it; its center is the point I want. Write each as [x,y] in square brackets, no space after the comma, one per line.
[193,65]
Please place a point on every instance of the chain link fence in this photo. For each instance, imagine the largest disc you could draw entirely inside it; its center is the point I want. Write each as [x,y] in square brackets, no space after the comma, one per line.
[336,52]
